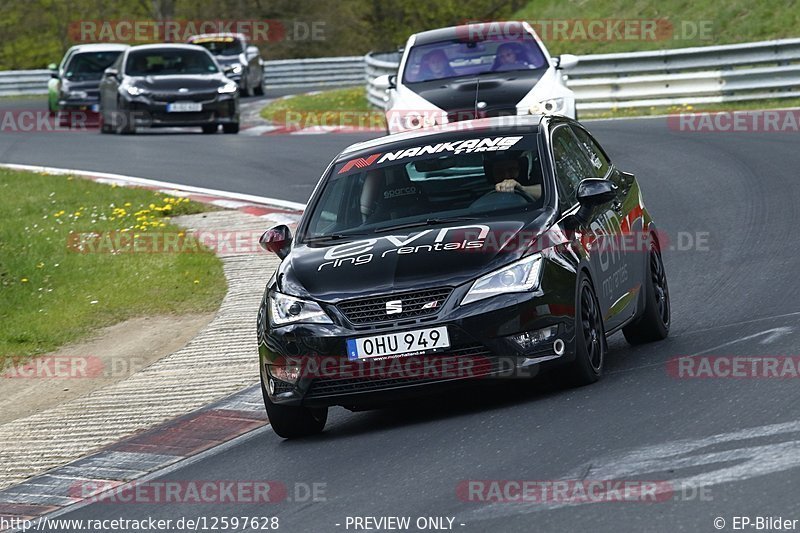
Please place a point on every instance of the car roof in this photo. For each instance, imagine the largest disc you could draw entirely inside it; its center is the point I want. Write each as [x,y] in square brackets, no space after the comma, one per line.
[239,36]
[99,47]
[454,32]
[456,130]
[156,46]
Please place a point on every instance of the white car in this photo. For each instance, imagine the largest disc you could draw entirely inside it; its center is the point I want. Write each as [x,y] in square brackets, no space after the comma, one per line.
[474,71]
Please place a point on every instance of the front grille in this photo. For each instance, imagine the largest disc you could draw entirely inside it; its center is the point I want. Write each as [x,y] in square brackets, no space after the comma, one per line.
[184,97]
[184,118]
[414,304]
[474,361]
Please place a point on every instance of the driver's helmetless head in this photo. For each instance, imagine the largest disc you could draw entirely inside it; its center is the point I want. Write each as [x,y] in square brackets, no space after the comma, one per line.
[500,167]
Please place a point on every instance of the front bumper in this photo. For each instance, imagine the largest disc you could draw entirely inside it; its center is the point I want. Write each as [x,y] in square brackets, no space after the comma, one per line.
[153,114]
[480,347]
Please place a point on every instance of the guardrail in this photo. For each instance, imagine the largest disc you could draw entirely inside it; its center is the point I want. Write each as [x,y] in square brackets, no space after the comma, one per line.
[707,74]
[23,82]
[278,74]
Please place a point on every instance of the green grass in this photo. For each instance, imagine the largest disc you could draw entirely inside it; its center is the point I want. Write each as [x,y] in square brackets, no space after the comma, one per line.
[339,107]
[731,21]
[53,295]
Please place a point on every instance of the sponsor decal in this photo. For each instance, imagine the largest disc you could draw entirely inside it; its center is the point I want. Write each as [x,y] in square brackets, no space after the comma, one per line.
[466,146]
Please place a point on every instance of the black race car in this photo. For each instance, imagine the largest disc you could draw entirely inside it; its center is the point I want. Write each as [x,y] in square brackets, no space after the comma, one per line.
[167,85]
[439,257]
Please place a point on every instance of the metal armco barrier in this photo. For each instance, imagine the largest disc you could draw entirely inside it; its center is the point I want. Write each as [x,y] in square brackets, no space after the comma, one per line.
[287,73]
[706,74]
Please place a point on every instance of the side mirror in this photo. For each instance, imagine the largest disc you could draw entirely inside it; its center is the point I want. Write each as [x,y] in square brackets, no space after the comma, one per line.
[111,72]
[277,240]
[567,61]
[393,81]
[593,192]
[383,82]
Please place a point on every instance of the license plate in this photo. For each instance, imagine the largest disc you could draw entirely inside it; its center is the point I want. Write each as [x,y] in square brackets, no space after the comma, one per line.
[404,342]
[183,107]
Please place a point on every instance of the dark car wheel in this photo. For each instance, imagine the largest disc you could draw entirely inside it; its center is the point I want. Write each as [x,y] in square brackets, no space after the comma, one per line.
[590,342]
[230,128]
[292,422]
[259,89]
[654,323]
[210,128]
[123,122]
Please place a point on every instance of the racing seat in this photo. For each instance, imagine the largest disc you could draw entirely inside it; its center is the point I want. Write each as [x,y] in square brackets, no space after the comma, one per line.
[390,195]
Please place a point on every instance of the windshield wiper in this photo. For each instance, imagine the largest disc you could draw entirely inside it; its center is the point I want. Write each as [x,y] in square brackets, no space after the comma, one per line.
[331,237]
[426,222]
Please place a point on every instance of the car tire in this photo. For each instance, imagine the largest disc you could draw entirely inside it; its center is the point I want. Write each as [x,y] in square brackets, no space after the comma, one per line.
[653,324]
[290,422]
[230,128]
[590,341]
[259,89]
[210,128]
[105,127]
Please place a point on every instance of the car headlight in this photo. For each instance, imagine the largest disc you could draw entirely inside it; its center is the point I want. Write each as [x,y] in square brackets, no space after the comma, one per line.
[77,95]
[414,121]
[553,106]
[285,309]
[228,88]
[237,69]
[521,276]
[133,90]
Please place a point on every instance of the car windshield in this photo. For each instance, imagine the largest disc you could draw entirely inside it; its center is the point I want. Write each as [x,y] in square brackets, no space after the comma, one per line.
[165,62]
[429,184]
[221,46]
[87,66]
[451,59]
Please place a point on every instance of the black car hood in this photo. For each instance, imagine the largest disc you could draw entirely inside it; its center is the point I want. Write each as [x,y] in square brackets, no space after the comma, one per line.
[228,60]
[500,91]
[407,259]
[174,83]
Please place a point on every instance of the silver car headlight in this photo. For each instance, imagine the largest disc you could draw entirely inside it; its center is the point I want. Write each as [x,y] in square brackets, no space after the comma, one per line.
[77,95]
[237,69]
[520,276]
[285,309]
[228,88]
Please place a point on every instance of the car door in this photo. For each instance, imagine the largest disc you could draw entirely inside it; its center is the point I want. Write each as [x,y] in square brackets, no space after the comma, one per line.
[624,220]
[572,165]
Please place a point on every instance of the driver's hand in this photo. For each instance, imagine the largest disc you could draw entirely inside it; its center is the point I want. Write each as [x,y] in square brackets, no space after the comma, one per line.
[506,186]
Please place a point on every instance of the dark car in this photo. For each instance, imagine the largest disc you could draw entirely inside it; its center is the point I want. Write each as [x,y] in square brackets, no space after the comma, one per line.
[74,84]
[168,85]
[437,257]
[242,63]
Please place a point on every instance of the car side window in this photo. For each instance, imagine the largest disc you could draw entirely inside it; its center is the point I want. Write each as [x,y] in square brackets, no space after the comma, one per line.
[571,164]
[597,157]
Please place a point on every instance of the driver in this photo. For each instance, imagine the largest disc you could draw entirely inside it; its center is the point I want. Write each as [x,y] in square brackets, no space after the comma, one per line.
[506,169]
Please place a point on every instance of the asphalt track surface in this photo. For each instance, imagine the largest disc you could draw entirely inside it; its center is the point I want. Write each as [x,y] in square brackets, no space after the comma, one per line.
[734,292]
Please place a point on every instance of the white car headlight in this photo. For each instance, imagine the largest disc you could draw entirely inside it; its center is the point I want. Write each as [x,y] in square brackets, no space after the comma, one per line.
[553,106]
[228,88]
[78,95]
[133,90]
[520,276]
[237,69]
[285,309]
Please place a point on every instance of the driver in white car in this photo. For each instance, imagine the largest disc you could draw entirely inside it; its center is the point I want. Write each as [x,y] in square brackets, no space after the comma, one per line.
[505,171]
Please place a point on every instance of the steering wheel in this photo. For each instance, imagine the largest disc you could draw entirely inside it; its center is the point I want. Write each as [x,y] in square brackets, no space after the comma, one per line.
[501,200]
